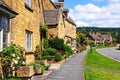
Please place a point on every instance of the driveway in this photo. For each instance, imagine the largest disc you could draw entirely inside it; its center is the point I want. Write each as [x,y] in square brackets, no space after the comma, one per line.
[70,70]
[112,53]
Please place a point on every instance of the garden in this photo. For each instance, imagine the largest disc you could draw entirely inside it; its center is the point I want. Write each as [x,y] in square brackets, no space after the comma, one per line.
[13,61]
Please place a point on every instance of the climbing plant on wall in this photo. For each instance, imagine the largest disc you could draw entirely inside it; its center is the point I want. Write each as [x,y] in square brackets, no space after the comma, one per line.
[44,34]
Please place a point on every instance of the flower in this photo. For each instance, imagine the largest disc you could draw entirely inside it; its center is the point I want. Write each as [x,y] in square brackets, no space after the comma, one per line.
[18,58]
[16,61]
[13,55]
[23,62]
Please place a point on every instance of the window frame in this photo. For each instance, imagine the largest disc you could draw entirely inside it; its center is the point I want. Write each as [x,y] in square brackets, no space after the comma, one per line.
[29,39]
[3,31]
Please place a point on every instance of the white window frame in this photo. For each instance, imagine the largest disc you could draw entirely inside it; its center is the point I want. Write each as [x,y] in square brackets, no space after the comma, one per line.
[28,43]
[1,32]
[29,3]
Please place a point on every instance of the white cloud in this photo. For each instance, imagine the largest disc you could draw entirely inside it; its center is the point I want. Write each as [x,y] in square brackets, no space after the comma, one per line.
[52,0]
[92,15]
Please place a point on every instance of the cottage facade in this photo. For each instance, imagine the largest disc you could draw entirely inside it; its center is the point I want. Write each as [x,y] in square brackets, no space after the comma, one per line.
[24,27]
[20,21]
[59,24]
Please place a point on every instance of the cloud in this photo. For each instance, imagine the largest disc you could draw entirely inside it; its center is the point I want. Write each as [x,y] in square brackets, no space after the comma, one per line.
[93,15]
[53,0]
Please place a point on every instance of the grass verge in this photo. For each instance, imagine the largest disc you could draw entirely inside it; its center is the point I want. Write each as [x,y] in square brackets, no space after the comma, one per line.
[101,75]
[97,60]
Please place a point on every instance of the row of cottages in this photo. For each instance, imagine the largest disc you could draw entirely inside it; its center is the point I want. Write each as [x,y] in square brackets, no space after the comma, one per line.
[100,38]
[59,23]
[20,21]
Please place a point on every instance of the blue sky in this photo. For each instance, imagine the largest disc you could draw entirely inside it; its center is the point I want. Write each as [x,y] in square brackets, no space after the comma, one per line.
[99,13]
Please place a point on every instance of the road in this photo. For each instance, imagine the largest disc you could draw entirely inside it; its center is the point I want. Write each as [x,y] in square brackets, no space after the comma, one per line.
[70,70]
[112,53]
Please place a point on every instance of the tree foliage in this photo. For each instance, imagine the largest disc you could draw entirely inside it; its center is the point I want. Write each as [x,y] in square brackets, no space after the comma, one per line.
[81,38]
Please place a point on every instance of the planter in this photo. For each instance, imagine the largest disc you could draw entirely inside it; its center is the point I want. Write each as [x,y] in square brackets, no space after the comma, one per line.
[25,71]
[45,62]
[37,70]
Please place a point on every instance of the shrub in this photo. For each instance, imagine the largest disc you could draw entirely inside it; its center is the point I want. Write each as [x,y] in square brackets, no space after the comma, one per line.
[45,53]
[56,43]
[51,51]
[14,78]
[47,67]
[92,44]
[62,52]
[68,49]
[67,54]
[42,69]
[38,52]
[58,56]
[79,49]
[48,57]
[11,56]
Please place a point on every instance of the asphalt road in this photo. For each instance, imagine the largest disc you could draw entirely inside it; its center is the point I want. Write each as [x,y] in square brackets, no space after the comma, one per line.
[112,53]
[70,70]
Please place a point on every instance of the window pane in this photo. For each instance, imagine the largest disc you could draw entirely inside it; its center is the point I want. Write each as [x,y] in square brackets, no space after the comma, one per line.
[29,40]
[5,26]
[28,2]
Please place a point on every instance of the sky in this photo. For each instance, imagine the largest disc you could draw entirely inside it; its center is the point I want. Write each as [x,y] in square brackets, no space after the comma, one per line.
[98,13]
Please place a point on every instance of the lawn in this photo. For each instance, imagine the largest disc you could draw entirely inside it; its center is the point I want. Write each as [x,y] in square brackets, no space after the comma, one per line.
[101,75]
[97,60]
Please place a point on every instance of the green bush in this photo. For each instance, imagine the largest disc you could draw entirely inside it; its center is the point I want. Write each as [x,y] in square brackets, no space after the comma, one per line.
[92,44]
[56,43]
[58,56]
[45,53]
[11,79]
[68,48]
[47,67]
[42,69]
[48,57]
[51,51]
[67,54]
[38,52]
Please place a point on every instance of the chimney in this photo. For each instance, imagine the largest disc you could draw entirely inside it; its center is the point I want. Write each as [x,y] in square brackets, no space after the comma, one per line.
[60,0]
[65,11]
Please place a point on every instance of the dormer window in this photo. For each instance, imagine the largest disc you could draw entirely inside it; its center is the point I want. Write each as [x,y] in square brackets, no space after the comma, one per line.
[28,3]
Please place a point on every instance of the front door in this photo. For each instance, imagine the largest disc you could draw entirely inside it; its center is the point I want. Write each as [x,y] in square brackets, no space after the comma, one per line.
[4,31]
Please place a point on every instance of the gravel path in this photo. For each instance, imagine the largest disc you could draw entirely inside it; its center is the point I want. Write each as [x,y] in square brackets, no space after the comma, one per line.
[70,70]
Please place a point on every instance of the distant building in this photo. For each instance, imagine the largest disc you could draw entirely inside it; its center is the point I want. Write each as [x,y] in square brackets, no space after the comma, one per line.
[98,38]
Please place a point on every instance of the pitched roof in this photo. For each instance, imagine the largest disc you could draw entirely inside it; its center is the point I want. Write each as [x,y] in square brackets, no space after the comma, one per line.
[70,20]
[6,9]
[51,17]
[100,37]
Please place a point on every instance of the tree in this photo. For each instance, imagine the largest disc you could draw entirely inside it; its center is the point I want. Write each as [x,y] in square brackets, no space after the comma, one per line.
[81,37]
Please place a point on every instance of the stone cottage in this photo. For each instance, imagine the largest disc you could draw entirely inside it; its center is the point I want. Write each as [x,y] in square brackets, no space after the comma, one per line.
[19,24]
[59,23]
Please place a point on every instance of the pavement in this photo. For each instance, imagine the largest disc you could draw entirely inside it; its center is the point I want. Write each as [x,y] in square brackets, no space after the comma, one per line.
[70,70]
[112,53]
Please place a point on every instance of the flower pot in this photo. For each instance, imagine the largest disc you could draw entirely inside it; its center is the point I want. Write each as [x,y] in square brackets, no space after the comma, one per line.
[25,71]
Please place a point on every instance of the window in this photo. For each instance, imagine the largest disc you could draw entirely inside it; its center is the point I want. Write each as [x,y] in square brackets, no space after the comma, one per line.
[4,31]
[28,40]
[29,3]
